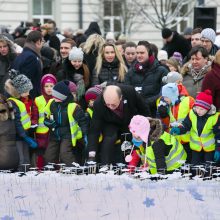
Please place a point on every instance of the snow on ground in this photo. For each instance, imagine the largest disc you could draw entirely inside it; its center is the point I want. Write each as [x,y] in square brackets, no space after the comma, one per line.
[52,195]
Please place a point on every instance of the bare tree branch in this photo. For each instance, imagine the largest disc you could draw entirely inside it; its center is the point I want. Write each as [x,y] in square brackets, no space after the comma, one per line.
[165,12]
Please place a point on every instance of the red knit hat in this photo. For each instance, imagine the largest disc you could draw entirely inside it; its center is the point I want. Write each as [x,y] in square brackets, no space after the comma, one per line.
[93,92]
[204,99]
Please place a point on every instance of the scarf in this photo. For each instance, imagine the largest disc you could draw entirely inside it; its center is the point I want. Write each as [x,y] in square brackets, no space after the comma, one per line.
[198,75]
[144,67]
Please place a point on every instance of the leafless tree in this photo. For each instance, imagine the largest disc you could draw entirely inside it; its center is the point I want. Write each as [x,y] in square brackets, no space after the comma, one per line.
[164,13]
[128,14]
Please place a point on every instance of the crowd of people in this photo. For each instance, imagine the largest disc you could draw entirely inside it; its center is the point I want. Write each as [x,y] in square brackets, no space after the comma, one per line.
[81,98]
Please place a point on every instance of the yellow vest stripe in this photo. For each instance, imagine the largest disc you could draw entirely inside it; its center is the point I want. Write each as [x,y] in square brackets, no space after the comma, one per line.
[175,160]
[75,130]
[175,157]
[41,104]
[24,117]
[206,140]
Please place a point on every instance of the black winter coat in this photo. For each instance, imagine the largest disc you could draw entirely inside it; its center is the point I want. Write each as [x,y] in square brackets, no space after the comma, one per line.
[178,44]
[147,82]
[59,112]
[5,65]
[108,73]
[133,104]
[29,64]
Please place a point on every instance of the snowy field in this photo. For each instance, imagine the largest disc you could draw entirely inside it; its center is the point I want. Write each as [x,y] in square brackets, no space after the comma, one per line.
[52,195]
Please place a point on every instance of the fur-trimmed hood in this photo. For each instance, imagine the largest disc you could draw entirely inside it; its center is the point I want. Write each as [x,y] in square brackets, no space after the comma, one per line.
[212,110]
[187,66]
[156,129]
[6,109]
[9,88]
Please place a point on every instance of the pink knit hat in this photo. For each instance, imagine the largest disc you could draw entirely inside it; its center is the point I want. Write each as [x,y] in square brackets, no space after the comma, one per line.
[140,126]
[48,78]
[72,86]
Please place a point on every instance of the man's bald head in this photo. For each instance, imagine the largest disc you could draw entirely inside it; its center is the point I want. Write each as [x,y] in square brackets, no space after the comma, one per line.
[112,96]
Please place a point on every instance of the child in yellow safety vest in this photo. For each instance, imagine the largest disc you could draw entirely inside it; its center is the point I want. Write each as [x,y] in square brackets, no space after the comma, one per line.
[203,123]
[67,123]
[37,118]
[160,150]
[16,87]
[175,107]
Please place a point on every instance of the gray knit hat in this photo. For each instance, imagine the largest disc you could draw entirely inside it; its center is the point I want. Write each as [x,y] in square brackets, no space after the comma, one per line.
[172,77]
[20,82]
[76,54]
[209,34]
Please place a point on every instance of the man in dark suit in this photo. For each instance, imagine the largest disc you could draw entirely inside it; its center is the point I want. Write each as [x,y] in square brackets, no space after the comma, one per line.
[112,113]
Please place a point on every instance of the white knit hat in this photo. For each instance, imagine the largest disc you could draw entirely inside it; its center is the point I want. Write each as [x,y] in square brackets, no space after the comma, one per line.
[76,54]
[162,55]
[209,34]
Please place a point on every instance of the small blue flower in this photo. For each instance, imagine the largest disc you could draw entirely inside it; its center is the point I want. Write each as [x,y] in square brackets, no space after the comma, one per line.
[149,202]
[7,217]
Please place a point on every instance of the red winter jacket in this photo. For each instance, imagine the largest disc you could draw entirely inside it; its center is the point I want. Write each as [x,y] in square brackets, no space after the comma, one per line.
[212,82]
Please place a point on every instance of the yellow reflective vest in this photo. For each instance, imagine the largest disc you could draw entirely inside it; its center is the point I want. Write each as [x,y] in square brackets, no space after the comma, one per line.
[90,112]
[75,130]
[174,160]
[25,118]
[183,111]
[206,140]
[41,103]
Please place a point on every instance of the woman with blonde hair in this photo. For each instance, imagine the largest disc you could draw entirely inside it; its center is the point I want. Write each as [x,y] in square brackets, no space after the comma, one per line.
[110,66]
[91,49]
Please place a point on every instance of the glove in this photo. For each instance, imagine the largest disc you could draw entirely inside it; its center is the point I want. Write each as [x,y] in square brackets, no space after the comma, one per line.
[163,111]
[217,156]
[175,131]
[50,124]
[85,140]
[31,142]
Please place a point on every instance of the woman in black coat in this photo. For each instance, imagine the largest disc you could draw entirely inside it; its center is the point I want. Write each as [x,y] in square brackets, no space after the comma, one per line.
[110,66]
[7,56]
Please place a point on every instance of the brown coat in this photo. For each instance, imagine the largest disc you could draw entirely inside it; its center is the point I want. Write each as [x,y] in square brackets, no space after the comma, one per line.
[9,158]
